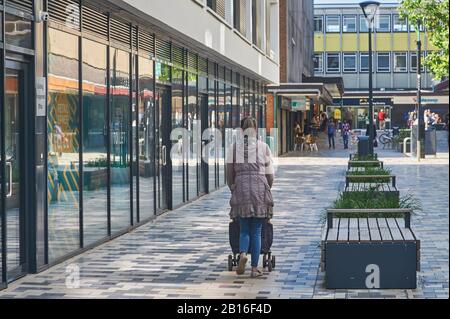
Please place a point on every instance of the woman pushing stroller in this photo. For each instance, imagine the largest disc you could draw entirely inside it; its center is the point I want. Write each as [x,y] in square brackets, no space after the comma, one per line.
[250,177]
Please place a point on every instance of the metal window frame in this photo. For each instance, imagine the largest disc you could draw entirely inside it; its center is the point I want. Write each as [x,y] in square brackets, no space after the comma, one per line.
[353,16]
[384,54]
[319,56]
[397,54]
[333,16]
[378,22]
[405,25]
[321,18]
[349,54]
[338,70]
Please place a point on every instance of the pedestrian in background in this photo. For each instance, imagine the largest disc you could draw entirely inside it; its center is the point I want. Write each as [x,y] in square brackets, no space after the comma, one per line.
[346,134]
[332,133]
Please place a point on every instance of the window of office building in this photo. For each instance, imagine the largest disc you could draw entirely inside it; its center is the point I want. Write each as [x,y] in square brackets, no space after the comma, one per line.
[400,25]
[333,24]
[400,62]
[383,62]
[318,63]
[349,61]
[363,26]
[349,23]
[318,24]
[217,6]
[333,63]
[383,23]
[364,62]
[63,182]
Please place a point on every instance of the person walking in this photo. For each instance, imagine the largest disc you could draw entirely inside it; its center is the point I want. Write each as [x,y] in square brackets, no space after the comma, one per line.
[346,134]
[382,120]
[297,137]
[331,133]
[250,176]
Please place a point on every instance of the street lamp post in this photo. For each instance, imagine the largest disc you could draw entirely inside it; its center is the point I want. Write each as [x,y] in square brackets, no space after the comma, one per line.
[370,9]
[420,114]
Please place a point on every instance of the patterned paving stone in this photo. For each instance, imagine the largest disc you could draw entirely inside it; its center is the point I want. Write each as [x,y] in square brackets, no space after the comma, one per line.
[183,254]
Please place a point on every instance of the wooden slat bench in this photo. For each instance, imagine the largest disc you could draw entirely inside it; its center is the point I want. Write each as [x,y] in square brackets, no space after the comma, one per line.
[361,249]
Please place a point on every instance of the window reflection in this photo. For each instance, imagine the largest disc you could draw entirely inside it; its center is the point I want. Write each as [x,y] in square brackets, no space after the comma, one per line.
[146,139]
[95,139]
[193,125]
[63,144]
[120,148]
[177,151]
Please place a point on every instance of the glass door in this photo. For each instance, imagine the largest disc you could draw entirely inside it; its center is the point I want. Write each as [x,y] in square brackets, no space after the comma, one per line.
[162,135]
[203,167]
[13,142]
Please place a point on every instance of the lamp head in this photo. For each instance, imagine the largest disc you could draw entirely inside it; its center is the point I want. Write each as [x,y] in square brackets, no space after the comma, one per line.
[369,9]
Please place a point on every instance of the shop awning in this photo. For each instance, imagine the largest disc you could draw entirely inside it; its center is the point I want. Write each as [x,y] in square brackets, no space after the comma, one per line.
[324,90]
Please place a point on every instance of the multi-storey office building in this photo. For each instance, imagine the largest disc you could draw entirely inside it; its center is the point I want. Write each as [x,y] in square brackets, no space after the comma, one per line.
[90,103]
[300,95]
[341,48]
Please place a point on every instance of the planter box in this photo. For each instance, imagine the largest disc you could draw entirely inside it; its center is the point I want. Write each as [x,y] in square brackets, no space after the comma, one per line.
[375,164]
[354,157]
[394,195]
[370,252]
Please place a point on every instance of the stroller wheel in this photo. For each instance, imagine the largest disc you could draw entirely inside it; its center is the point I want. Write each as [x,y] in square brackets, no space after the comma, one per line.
[230,263]
[265,263]
[273,262]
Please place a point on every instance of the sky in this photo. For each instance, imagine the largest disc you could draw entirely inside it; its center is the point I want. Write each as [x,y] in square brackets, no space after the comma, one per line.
[351,1]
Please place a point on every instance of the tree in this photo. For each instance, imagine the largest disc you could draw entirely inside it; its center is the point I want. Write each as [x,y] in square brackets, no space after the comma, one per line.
[434,16]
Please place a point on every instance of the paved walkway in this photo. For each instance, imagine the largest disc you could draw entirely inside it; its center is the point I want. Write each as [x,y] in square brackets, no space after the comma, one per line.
[184,253]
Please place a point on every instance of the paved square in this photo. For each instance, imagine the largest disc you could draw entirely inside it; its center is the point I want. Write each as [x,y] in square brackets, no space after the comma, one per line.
[183,254]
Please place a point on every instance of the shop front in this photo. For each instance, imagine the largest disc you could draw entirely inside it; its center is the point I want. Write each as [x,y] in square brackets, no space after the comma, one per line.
[356,112]
[101,130]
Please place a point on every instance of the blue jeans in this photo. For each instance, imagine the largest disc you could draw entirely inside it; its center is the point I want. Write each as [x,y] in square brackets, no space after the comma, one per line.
[251,231]
[346,140]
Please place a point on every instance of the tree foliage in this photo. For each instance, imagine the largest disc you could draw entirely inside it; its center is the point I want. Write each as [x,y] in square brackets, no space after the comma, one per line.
[434,15]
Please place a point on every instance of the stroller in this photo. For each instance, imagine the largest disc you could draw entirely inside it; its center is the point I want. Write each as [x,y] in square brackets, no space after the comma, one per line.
[267,240]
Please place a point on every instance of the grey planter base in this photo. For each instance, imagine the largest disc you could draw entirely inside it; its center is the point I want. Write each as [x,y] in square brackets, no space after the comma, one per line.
[371,251]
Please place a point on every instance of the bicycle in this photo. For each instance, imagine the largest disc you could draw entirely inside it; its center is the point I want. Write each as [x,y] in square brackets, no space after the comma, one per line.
[386,138]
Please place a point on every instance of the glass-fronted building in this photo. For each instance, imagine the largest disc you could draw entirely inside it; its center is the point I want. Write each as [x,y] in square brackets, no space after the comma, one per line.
[103,115]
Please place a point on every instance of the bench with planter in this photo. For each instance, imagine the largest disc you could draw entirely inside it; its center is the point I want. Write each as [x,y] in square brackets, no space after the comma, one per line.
[363,249]
[368,242]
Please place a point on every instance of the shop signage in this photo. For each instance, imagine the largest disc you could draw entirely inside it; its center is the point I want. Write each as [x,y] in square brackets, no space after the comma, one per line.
[366,102]
[298,104]
[41,96]
[426,100]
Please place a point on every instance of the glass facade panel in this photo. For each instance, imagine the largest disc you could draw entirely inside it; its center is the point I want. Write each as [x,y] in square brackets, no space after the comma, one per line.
[236,113]
[349,62]
[318,24]
[177,154]
[384,62]
[95,142]
[212,125]
[63,144]
[333,62]
[18,31]
[147,156]
[221,120]
[120,130]
[383,23]
[193,126]
[400,62]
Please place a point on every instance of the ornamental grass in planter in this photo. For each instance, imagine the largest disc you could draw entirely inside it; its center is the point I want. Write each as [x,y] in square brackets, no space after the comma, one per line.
[371,199]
